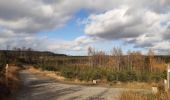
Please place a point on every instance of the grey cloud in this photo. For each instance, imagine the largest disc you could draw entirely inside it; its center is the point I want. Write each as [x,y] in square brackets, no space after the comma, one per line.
[37,16]
[21,19]
[51,14]
[116,24]
[166,34]
[143,45]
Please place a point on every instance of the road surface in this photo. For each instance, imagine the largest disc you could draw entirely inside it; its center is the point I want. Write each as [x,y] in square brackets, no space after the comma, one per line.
[35,87]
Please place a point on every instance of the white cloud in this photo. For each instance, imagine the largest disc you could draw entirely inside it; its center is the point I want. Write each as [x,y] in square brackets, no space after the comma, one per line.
[118,23]
[143,28]
[139,22]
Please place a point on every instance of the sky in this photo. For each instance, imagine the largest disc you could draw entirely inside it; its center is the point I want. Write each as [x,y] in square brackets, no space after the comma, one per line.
[71,26]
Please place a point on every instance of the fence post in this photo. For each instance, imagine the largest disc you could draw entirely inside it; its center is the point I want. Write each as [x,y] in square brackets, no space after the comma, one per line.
[6,73]
[168,77]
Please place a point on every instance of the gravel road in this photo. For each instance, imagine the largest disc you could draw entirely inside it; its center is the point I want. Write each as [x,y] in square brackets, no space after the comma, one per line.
[35,87]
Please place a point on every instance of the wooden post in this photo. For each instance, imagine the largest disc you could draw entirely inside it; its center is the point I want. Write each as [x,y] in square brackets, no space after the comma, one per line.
[6,73]
[168,77]
[165,85]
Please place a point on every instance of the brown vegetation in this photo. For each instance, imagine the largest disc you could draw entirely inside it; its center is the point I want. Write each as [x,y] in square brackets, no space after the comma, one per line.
[12,78]
[132,96]
[142,96]
[10,83]
[50,74]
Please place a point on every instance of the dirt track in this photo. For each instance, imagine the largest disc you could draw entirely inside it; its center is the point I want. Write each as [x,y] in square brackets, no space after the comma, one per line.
[42,88]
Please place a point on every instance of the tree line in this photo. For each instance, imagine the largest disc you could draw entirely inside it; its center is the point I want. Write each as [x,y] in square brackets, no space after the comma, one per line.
[116,66]
[133,60]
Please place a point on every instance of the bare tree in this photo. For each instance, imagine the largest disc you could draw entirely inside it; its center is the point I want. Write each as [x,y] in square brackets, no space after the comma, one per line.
[117,55]
[151,59]
[100,58]
[90,55]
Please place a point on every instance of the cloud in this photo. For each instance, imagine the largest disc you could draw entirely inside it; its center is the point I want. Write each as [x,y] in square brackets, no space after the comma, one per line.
[23,16]
[144,28]
[113,24]
[44,43]
[42,15]
[139,22]
[119,23]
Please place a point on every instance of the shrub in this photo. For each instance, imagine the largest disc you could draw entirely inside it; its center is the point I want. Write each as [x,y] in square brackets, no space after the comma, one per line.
[121,76]
[145,77]
[131,76]
[111,76]
[68,72]
[90,74]
[97,74]
[156,77]
[163,74]
[48,67]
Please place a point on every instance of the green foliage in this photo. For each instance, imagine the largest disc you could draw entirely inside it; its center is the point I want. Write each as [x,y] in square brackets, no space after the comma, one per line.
[48,67]
[121,76]
[131,75]
[145,77]
[111,76]
[156,76]
[97,74]
[68,72]
[89,73]
[86,73]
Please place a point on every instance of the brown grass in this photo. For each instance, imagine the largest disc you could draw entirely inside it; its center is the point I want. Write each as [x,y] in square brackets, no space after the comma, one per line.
[12,79]
[140,96]
[56,76]
[132,96]
[132,85]
[51,74]
[10,83]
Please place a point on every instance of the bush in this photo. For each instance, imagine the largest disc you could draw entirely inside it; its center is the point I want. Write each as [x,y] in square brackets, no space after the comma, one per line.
[97,74]
[111,76]
[89,73]
[156,77]
[121,76]
[48,67]
[68,72]
[163,74]
[86,73]
[131,76]
[145,77]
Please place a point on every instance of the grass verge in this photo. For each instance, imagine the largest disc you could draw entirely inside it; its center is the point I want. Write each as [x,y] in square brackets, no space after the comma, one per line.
[10,84]
[141,96]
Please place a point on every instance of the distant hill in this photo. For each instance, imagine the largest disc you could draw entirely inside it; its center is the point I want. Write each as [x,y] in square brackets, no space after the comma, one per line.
[38,53]
[29,53]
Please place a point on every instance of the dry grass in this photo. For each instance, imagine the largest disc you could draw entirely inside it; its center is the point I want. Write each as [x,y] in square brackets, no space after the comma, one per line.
[10,83]
[136,85]
[132,85]
[46,73]
[12,78]
[56,76]
[132,96]
[140,96]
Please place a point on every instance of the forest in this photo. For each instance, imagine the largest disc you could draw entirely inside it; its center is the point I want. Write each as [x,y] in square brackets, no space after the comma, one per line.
[112,67]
